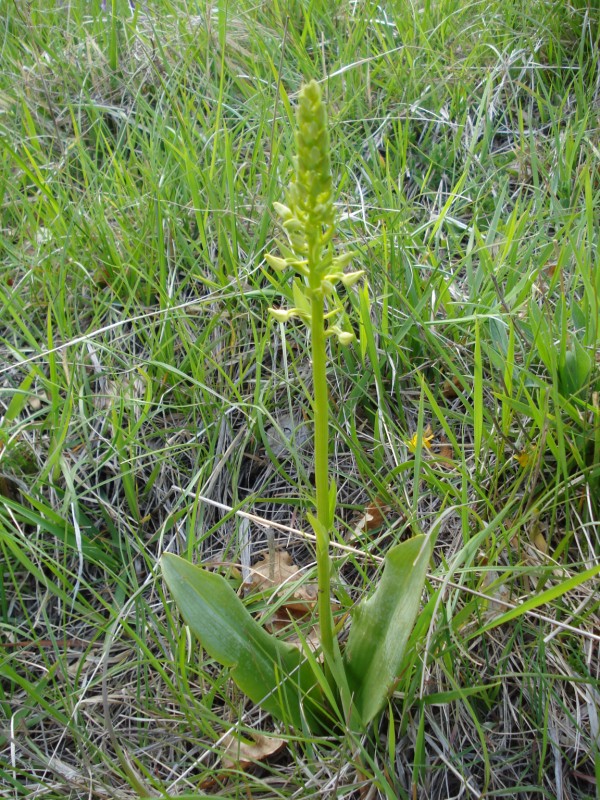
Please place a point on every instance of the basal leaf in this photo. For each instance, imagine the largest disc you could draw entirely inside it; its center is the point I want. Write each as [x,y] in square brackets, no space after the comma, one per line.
[574,368]
[272,673]
[382,624]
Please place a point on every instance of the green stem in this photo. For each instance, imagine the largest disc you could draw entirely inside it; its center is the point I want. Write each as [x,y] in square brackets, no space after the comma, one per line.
[321,450]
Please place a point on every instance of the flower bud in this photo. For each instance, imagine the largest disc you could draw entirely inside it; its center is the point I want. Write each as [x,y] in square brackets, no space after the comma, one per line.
[283,211]
[293,225]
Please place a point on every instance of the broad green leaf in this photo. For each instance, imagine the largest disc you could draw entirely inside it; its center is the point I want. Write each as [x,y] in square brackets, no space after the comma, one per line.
[499,335]
[19,399]
[270,672]
[382,624]
[574,369]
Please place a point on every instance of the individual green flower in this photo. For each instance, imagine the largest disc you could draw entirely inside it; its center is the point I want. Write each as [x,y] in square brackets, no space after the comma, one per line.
[344,337]
[278,264]
[283,314]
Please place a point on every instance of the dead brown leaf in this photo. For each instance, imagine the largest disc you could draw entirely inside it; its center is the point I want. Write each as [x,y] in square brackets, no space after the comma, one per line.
[446,451]
[532,546]
[451,388]
[243,753]
[278,570]
[373,517]
[281,623]
[443,454]
[443,448]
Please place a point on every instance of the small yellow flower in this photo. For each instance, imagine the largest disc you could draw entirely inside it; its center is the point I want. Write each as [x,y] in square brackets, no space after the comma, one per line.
[524,458]
[427,439]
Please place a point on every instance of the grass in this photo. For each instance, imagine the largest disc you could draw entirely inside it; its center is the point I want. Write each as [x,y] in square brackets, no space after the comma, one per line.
[142,384]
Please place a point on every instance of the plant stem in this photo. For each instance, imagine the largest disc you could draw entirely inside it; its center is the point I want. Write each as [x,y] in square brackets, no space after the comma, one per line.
[321,450]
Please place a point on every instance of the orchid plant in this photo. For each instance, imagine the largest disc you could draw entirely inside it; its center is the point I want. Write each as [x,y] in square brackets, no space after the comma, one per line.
[289,682]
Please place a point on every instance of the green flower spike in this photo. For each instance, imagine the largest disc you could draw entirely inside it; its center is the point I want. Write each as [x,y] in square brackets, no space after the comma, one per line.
[308,219]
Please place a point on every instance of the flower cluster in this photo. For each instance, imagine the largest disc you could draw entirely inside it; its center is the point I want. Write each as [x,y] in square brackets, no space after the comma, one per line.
[308,219]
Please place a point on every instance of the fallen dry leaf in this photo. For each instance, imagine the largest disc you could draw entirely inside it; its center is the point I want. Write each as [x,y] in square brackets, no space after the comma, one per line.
[280,622]
[373,517]
[279,570]
[537,550]
[532,546]
[444,452]
[450,389]
[242,753]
